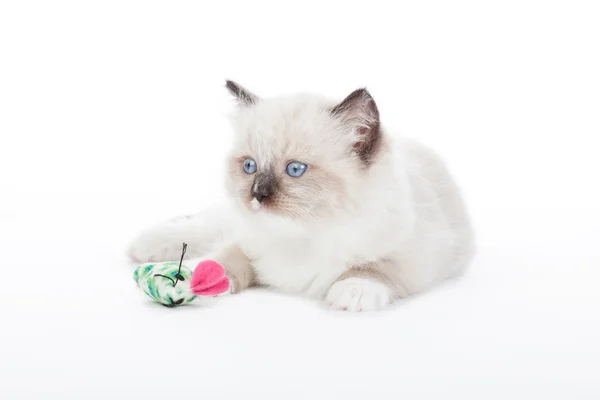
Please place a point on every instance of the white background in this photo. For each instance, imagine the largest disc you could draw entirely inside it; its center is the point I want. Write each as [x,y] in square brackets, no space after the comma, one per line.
[113,117]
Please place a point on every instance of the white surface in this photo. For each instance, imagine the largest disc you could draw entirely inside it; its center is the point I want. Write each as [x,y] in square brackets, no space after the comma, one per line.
[112,117]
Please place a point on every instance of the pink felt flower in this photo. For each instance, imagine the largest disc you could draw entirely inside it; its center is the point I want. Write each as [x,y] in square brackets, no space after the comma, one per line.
[209,279]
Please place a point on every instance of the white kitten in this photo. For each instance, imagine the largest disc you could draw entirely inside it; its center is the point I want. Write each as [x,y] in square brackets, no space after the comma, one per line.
[324,203]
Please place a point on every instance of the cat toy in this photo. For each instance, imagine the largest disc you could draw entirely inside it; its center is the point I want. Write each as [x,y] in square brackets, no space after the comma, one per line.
[173,284]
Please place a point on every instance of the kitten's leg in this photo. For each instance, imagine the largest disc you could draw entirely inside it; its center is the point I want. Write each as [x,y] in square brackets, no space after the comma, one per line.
[367,287]
[238,266]
[163,241]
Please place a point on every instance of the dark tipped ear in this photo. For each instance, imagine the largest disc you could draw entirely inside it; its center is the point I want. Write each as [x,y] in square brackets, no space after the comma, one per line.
[360,113]
[242,95]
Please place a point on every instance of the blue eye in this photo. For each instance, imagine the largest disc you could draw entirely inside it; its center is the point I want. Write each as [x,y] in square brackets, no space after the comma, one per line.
[296,168]
[249,166]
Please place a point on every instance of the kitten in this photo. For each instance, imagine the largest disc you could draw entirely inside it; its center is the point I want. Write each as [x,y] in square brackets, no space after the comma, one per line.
[323,202]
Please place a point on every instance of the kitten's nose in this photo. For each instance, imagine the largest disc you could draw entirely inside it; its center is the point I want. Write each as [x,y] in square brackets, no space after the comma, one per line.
[260,195]
[264,186]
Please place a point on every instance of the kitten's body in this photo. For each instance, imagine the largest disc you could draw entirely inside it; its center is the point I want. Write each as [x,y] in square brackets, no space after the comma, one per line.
[363,229]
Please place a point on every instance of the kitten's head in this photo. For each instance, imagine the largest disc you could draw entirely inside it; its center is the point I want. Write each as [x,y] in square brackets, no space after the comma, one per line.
[301,156]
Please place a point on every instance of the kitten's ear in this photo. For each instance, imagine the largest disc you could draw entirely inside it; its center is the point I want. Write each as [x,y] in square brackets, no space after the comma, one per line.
[243,96]
[360,113]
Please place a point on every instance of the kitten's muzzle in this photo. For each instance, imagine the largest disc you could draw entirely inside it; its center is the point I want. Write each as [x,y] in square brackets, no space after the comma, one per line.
[264,185]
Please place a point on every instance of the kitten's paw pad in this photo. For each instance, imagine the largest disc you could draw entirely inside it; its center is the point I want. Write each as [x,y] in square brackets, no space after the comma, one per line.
[358,294]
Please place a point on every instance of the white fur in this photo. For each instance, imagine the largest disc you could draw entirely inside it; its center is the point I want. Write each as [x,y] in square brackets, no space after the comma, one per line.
[410,212]
[255,204]
[358,294]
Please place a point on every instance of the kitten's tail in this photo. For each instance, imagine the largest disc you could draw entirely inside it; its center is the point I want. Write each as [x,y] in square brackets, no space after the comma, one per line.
[202,232]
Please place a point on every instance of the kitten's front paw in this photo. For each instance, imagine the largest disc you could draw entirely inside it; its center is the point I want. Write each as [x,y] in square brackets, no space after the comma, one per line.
[153,247]
[358,294]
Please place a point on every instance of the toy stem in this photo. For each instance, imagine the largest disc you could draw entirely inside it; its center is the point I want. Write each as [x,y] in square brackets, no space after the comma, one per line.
[179,276]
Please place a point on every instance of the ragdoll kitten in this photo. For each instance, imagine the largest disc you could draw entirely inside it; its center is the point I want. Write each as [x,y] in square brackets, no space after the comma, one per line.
[323,202]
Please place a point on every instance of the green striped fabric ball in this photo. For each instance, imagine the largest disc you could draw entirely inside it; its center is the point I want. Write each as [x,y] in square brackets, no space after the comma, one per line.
[161,288]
